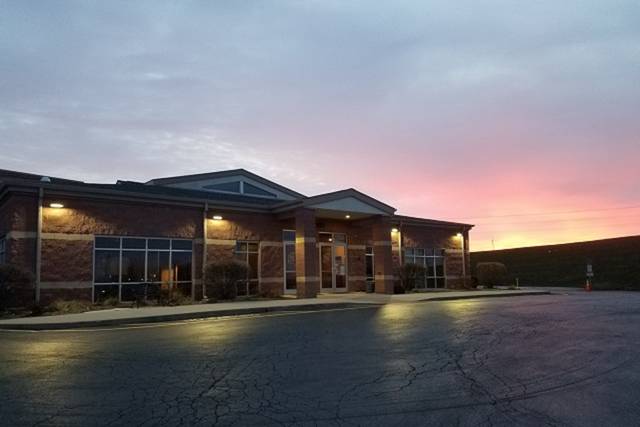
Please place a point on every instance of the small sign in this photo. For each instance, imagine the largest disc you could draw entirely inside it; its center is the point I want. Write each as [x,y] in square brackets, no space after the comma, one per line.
[589,270]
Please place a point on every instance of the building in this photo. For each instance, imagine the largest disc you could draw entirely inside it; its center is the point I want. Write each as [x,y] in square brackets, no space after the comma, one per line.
[95,241]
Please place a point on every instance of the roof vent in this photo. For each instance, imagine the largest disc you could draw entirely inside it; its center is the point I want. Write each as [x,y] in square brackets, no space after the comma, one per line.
[45,179]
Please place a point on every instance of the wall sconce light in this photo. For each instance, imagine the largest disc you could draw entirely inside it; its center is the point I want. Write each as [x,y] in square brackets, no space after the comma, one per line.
[394,230]
[56,205]
[459,235]
[347,216]
[217,217]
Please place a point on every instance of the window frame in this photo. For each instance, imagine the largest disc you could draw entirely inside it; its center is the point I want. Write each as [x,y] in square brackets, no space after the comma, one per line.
[173,282]
[369,255]
[247,253]
[241,191]
[429,257]
[288,243]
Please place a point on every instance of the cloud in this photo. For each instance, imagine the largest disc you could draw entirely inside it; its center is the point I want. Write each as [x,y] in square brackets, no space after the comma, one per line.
[433,106]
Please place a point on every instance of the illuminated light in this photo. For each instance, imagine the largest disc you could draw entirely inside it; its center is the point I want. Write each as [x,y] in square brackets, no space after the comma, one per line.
[56,205]
[459,235]
[330,239]
[347,216]
[217,217]
[394,230]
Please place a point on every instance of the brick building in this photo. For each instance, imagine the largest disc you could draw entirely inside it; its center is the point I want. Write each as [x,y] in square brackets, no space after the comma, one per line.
[94,241]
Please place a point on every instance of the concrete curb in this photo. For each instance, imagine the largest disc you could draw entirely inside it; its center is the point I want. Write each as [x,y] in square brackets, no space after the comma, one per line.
[453,298]
[236,312]
[177,316]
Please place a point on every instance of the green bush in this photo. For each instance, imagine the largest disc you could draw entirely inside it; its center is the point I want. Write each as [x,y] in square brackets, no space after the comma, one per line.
[221,279]
[491,274]
[12,281]
[410,274]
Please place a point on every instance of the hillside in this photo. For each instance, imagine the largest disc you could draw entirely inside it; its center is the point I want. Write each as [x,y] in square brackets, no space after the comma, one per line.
[616,263]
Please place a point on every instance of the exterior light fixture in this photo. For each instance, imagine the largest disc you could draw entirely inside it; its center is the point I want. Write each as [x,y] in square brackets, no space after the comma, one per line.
[56,205]
[394,230]
[347,216]
[217,217]
[459,235]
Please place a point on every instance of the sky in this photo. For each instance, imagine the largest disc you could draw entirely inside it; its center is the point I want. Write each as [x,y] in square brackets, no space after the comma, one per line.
[520,117]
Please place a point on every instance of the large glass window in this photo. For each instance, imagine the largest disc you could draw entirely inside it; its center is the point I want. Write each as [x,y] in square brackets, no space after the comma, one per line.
[126,266]
[3,250]
[247,252]
[433,262]
[289,247]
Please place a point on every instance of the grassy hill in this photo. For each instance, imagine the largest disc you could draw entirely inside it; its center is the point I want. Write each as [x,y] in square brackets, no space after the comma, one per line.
[616,263]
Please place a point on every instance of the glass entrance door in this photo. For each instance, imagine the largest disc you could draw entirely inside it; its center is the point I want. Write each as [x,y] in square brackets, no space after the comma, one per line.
[333,267]
[326,267]
[340,267]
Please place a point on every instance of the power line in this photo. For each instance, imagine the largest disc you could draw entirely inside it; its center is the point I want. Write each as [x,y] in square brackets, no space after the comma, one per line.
[549,213]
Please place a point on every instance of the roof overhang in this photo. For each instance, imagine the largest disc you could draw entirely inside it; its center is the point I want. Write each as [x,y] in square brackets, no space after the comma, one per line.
[340,203]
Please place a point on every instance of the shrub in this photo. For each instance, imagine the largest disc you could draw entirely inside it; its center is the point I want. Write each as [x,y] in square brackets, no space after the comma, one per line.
[12,280]
[222,279]
[491,274]
[109,302]
[68,306]
[409,275]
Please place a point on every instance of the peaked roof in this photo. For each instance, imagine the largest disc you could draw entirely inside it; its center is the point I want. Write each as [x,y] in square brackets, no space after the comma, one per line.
[223,174]
[339,195]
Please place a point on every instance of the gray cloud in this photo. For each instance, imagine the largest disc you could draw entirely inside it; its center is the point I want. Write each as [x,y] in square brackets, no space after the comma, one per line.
[318,93]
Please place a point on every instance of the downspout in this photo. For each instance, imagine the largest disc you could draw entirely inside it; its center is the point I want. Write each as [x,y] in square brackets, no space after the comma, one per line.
[39,243]
[204,249]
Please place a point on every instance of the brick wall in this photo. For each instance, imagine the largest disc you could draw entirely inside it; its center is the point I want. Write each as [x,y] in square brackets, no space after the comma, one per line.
[440,238]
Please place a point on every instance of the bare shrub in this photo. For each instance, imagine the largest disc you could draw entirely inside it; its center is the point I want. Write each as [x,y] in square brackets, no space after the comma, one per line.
[491,274]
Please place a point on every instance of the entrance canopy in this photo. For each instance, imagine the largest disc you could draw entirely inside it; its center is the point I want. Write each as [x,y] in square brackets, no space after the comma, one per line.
[350,204]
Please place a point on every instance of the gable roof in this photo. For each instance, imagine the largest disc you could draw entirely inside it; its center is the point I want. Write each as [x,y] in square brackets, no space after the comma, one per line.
[342,195]
[222,174]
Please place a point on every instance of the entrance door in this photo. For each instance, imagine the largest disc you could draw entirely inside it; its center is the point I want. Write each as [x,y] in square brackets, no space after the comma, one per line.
[333,267]
[326,267]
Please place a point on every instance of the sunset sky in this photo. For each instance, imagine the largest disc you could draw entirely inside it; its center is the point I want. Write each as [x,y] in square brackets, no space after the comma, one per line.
[520,117]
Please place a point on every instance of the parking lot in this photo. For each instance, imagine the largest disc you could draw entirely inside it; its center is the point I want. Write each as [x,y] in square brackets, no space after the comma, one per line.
[564,359]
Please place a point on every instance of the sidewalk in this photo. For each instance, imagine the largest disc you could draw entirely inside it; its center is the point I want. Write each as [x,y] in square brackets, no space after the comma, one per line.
[129,316]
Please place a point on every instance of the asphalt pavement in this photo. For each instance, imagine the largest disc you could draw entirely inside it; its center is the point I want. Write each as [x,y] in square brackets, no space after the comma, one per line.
[569,359]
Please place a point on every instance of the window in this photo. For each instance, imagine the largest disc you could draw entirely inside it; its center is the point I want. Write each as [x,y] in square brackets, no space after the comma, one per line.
[289,248]
[252,189]
[433,262]
[122,265]
[332,237]
[240,187]
[247,252]
[369,271]
[3,250]
[231,187]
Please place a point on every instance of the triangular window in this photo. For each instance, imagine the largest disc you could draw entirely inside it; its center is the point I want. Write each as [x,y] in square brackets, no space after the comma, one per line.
[231,187]
[253,190]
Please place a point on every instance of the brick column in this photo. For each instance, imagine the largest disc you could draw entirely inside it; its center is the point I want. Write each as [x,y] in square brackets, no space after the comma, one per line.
[383,256]
[307,273]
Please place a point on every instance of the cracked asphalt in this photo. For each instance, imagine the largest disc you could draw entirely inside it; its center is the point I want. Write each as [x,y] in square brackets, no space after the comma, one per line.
[537,360]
